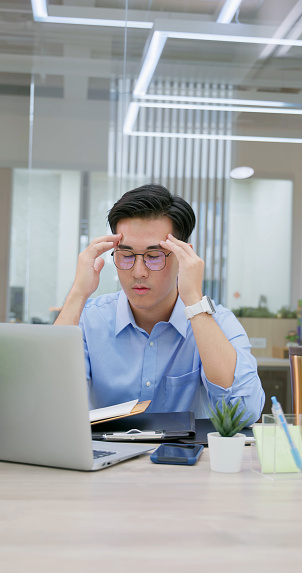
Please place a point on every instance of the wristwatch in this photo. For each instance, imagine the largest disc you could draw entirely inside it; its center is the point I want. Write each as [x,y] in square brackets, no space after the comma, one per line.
[204,305]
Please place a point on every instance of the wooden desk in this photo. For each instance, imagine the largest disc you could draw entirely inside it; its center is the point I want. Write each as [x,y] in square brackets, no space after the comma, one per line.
[147,518]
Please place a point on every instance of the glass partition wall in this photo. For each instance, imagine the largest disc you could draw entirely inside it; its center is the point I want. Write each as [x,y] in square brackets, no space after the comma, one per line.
[102,97]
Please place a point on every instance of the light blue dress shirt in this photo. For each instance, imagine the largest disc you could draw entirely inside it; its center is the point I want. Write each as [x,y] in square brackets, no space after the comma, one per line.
[123,362]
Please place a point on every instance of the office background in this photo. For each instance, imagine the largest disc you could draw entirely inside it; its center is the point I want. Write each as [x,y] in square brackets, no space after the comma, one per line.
[180,95]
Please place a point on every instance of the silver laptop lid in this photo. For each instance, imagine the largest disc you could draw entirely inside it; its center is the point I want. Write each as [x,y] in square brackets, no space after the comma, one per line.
[43,396]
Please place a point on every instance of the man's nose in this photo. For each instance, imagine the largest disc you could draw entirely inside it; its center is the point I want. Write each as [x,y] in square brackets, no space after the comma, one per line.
[139,268]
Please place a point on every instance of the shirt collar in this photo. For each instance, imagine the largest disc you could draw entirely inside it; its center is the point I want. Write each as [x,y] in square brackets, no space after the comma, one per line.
[178,318]
[124,316]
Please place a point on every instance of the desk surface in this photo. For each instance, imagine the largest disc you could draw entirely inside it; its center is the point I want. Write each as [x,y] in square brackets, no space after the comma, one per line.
[273,362]
[138,516]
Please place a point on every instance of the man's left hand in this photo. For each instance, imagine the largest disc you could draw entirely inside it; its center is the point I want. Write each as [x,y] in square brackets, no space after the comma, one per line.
[191,268]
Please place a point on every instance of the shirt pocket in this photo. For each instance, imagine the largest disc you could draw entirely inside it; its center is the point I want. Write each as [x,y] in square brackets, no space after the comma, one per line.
[182,392]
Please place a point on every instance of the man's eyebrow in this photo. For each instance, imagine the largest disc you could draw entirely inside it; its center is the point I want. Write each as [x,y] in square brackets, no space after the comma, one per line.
[154,247]
[126,247]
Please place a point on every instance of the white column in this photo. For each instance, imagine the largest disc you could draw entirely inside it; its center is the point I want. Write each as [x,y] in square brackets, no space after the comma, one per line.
[68,233]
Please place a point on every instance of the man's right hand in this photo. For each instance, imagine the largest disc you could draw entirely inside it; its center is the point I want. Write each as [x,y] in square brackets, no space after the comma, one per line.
[87,278]
[90,264]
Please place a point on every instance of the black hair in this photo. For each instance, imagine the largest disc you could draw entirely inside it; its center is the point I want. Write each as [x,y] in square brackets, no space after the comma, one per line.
[153,201]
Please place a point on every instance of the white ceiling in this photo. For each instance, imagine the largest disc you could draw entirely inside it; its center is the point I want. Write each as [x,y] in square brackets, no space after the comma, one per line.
[72,61]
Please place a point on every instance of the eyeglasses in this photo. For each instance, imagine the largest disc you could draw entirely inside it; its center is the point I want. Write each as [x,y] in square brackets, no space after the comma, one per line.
[153,259]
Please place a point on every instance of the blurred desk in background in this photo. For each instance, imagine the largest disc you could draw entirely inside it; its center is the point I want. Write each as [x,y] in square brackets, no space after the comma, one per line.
[274,374]
[54,312]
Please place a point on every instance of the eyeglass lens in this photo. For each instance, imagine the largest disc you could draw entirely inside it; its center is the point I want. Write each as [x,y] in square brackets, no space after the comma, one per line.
[154,260]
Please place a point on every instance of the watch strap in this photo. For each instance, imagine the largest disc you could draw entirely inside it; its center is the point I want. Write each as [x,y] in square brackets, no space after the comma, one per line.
[204,305]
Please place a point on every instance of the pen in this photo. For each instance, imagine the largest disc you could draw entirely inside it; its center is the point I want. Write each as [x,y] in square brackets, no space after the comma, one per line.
[133,435]
[281,421]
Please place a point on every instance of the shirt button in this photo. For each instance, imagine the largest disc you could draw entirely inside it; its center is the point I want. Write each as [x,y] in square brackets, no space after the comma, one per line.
[151,343]
[148,383]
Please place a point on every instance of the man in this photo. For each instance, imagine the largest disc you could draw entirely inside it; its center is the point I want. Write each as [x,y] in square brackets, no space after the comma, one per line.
[153,339]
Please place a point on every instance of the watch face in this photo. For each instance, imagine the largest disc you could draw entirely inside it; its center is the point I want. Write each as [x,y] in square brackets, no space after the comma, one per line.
[212,308]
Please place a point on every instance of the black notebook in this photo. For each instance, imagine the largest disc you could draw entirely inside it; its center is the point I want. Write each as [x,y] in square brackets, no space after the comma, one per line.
[179,426]
[147,427]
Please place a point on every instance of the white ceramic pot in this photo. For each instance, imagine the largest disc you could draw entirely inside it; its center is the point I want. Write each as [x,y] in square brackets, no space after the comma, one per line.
[226,453]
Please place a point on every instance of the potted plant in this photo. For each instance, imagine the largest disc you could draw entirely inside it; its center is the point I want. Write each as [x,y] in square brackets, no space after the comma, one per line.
[226,445]
[292,338]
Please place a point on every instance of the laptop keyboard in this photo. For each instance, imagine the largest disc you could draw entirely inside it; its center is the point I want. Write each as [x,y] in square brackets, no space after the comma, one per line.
[100,454]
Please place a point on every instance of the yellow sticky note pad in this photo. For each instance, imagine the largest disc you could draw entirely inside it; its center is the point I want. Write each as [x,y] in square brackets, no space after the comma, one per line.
[273,448]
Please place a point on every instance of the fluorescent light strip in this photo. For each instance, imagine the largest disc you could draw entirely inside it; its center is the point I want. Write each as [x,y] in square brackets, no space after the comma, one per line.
[233,39]
[228,11]
[242,109]
[96,22]
[39,8]
[284,28]
[131,117]
[155,49]
[214,100]
[133,109]
[294,34]
[40,14]
[210,136]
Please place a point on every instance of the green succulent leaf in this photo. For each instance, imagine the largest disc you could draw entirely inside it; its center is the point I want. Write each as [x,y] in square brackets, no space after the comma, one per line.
[234,409]
[243,424]
[217,425]
[236,420]
[225,420]
[219,413]
[227,425]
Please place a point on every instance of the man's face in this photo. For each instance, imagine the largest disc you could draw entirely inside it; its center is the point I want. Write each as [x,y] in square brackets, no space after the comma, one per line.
[146,289]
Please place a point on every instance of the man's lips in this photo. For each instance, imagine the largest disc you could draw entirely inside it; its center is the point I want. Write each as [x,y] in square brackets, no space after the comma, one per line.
[140,289]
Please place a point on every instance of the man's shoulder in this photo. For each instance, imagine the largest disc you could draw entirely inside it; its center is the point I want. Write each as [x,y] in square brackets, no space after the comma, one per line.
[103,302]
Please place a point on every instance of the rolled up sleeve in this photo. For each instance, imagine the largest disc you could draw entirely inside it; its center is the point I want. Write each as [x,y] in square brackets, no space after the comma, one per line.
[246,385]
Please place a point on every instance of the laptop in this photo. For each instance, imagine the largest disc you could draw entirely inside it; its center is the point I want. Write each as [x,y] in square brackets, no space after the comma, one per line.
[44,413]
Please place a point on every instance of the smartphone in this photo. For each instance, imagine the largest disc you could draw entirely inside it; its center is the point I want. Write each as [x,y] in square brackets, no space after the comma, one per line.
[181,454]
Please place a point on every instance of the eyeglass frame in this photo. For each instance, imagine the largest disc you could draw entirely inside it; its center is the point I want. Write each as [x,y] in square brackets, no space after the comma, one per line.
[141,255]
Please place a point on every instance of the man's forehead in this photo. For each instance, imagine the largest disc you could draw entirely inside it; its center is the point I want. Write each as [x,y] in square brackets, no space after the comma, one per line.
[145,232]
[147,226]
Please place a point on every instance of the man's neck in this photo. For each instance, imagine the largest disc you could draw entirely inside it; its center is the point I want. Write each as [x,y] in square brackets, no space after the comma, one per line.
[148,318]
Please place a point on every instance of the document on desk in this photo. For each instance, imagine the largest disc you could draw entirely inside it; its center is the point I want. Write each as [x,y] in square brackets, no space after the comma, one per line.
[117,411]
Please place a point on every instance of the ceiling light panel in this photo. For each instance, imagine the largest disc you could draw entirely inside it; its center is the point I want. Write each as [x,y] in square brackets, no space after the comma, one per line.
[211,32]
[181,29]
